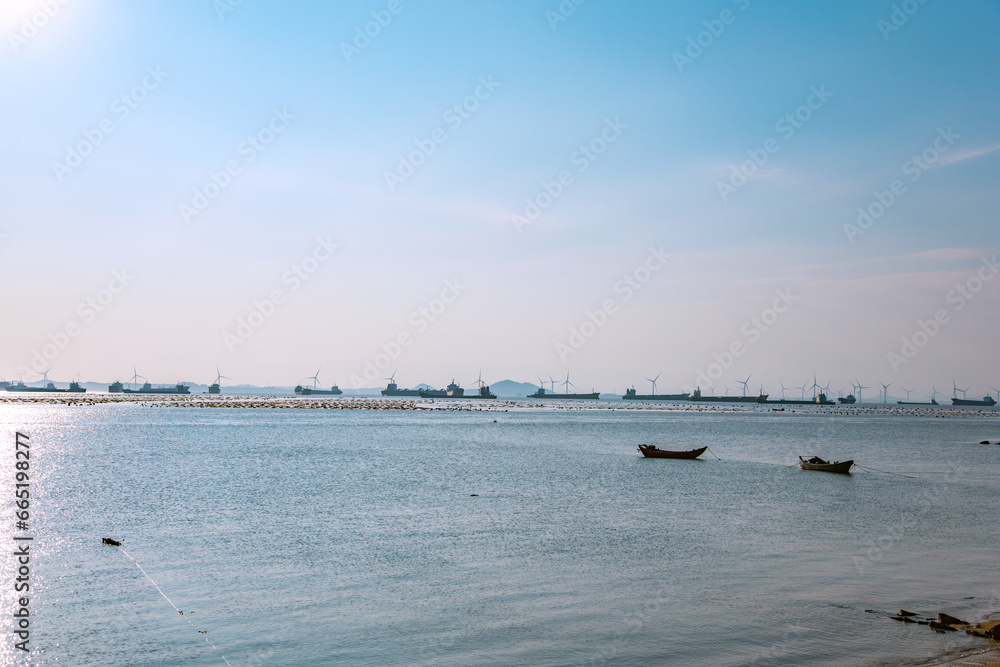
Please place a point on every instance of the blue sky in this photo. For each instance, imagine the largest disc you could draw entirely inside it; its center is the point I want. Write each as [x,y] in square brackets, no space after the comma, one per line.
[222,76]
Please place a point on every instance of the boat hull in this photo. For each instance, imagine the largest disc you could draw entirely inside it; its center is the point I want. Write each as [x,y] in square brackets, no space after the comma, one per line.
[156,391]
[656,397]
[651,452]
[589,397]
[46,390]
[988,402]
[841,467]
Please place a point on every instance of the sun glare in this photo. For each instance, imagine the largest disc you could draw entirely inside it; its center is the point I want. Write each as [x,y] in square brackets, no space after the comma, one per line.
[37,13]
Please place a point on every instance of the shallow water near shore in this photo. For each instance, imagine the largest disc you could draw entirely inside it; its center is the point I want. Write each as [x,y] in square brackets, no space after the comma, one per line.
[352,536]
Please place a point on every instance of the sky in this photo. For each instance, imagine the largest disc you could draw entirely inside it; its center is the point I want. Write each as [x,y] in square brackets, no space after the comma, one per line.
[703,191]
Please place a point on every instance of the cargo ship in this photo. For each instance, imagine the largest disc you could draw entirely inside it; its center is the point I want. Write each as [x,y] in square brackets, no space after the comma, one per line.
[847,400]
[392,389]
[699,397]
[314,391]
[453,391]
[932,402]
[630,395]
[987,402]
[146,388]
[545,393]
[74,388]
[820,399]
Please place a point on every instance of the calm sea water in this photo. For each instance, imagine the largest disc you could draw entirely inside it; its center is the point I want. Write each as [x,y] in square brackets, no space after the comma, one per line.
[313,537]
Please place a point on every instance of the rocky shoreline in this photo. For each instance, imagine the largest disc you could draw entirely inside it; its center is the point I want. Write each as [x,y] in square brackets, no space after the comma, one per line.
[987,629]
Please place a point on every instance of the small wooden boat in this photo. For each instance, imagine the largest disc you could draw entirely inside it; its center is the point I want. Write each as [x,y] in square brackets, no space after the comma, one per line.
[816,463]
[653,452]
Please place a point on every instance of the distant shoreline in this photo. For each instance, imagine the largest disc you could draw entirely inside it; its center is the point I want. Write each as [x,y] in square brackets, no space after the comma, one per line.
[471,404]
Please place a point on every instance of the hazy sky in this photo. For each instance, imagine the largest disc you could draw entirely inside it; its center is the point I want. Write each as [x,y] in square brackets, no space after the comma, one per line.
[459,187]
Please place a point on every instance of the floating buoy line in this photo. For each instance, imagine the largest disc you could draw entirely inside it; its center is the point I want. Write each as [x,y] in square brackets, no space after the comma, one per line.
[200,632]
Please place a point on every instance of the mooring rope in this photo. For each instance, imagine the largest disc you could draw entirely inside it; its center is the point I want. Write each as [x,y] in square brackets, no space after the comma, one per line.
[713,453]
[122,549]
[884,472]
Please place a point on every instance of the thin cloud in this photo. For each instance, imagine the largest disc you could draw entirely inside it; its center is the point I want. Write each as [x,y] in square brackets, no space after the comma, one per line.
[968,154]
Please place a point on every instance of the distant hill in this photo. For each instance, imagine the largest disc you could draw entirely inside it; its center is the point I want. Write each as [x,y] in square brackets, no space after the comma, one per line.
[511,389]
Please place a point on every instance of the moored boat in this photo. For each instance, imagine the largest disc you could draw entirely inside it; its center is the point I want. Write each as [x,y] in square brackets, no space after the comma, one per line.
[816,463]
[653,452]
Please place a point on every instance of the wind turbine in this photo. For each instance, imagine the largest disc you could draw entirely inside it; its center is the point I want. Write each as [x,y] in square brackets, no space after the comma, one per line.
[782,391]
[315,378]
[392,378]
[479,381]
[744,383]
[998,393]
[814,387]
[567,384]
[45,374]
[654,382]
[885,391]
[803,388]
[135,377]
[553,382]
[219,376]
[541,384]
[726,385]
[860,387]
[933,393]
[955,389]
[907,393]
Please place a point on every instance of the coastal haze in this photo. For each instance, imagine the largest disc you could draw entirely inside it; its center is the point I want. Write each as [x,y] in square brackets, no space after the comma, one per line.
[499,185]
[513,333]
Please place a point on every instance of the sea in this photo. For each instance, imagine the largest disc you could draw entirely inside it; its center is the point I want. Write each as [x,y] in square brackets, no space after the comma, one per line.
[504,534]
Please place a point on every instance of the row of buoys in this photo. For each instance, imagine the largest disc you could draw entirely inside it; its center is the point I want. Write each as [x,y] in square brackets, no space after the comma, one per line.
[370,403]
